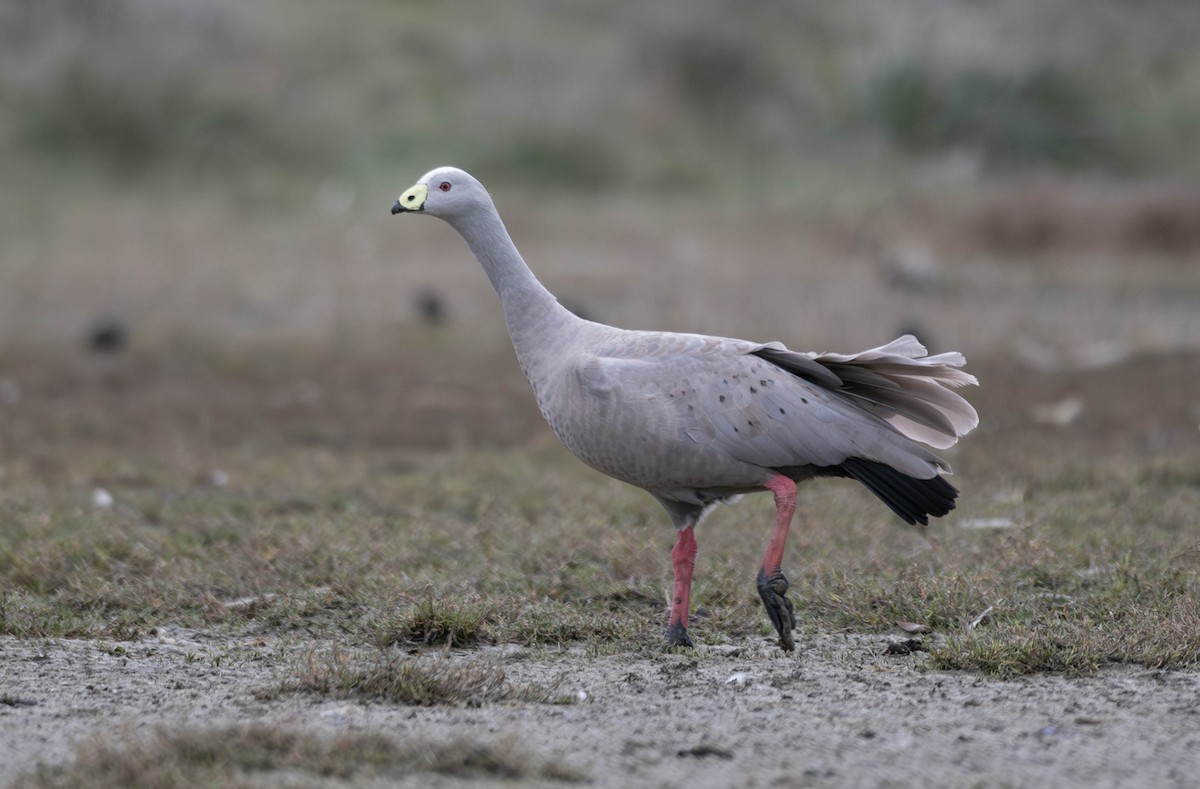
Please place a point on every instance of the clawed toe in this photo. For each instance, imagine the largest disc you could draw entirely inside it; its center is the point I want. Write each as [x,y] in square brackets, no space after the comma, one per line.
[677,636]
[773,591]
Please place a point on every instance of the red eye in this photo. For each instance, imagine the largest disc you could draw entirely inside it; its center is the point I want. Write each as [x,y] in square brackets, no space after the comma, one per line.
[444,186]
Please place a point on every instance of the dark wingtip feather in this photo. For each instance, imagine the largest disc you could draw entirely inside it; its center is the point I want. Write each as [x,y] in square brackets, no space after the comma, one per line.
[912,499]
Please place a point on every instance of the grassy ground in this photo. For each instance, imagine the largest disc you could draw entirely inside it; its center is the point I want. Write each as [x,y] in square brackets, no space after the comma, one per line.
[299,517]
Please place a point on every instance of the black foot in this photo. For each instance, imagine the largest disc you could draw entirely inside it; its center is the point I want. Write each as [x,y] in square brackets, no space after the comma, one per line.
[677,636]
[772,591]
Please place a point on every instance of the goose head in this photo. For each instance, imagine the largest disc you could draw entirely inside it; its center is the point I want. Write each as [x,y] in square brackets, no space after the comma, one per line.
[445,192]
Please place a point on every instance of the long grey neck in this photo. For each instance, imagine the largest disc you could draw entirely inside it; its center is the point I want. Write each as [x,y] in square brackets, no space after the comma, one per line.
[537,323]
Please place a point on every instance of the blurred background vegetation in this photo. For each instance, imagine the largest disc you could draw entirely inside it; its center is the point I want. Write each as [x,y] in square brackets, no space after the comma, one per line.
[134,131]
[589,95]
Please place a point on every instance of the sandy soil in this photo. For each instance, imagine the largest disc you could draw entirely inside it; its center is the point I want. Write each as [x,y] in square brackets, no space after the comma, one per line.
[838,713]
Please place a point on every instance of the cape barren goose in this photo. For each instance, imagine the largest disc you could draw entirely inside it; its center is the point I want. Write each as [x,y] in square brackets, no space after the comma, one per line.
[697,420]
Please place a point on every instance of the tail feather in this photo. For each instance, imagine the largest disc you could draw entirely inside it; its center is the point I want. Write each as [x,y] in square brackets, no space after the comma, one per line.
[912,499]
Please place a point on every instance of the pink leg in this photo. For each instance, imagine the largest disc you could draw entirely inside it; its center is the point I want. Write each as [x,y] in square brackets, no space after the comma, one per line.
[683,557]
[785,505]
[772,585]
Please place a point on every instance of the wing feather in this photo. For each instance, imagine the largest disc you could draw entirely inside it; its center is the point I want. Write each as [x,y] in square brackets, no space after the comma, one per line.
[911,391]
[695,399]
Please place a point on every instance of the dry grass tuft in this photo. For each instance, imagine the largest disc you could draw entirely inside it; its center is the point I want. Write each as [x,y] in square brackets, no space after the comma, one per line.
[243,755]
[403,679]
[438,621]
